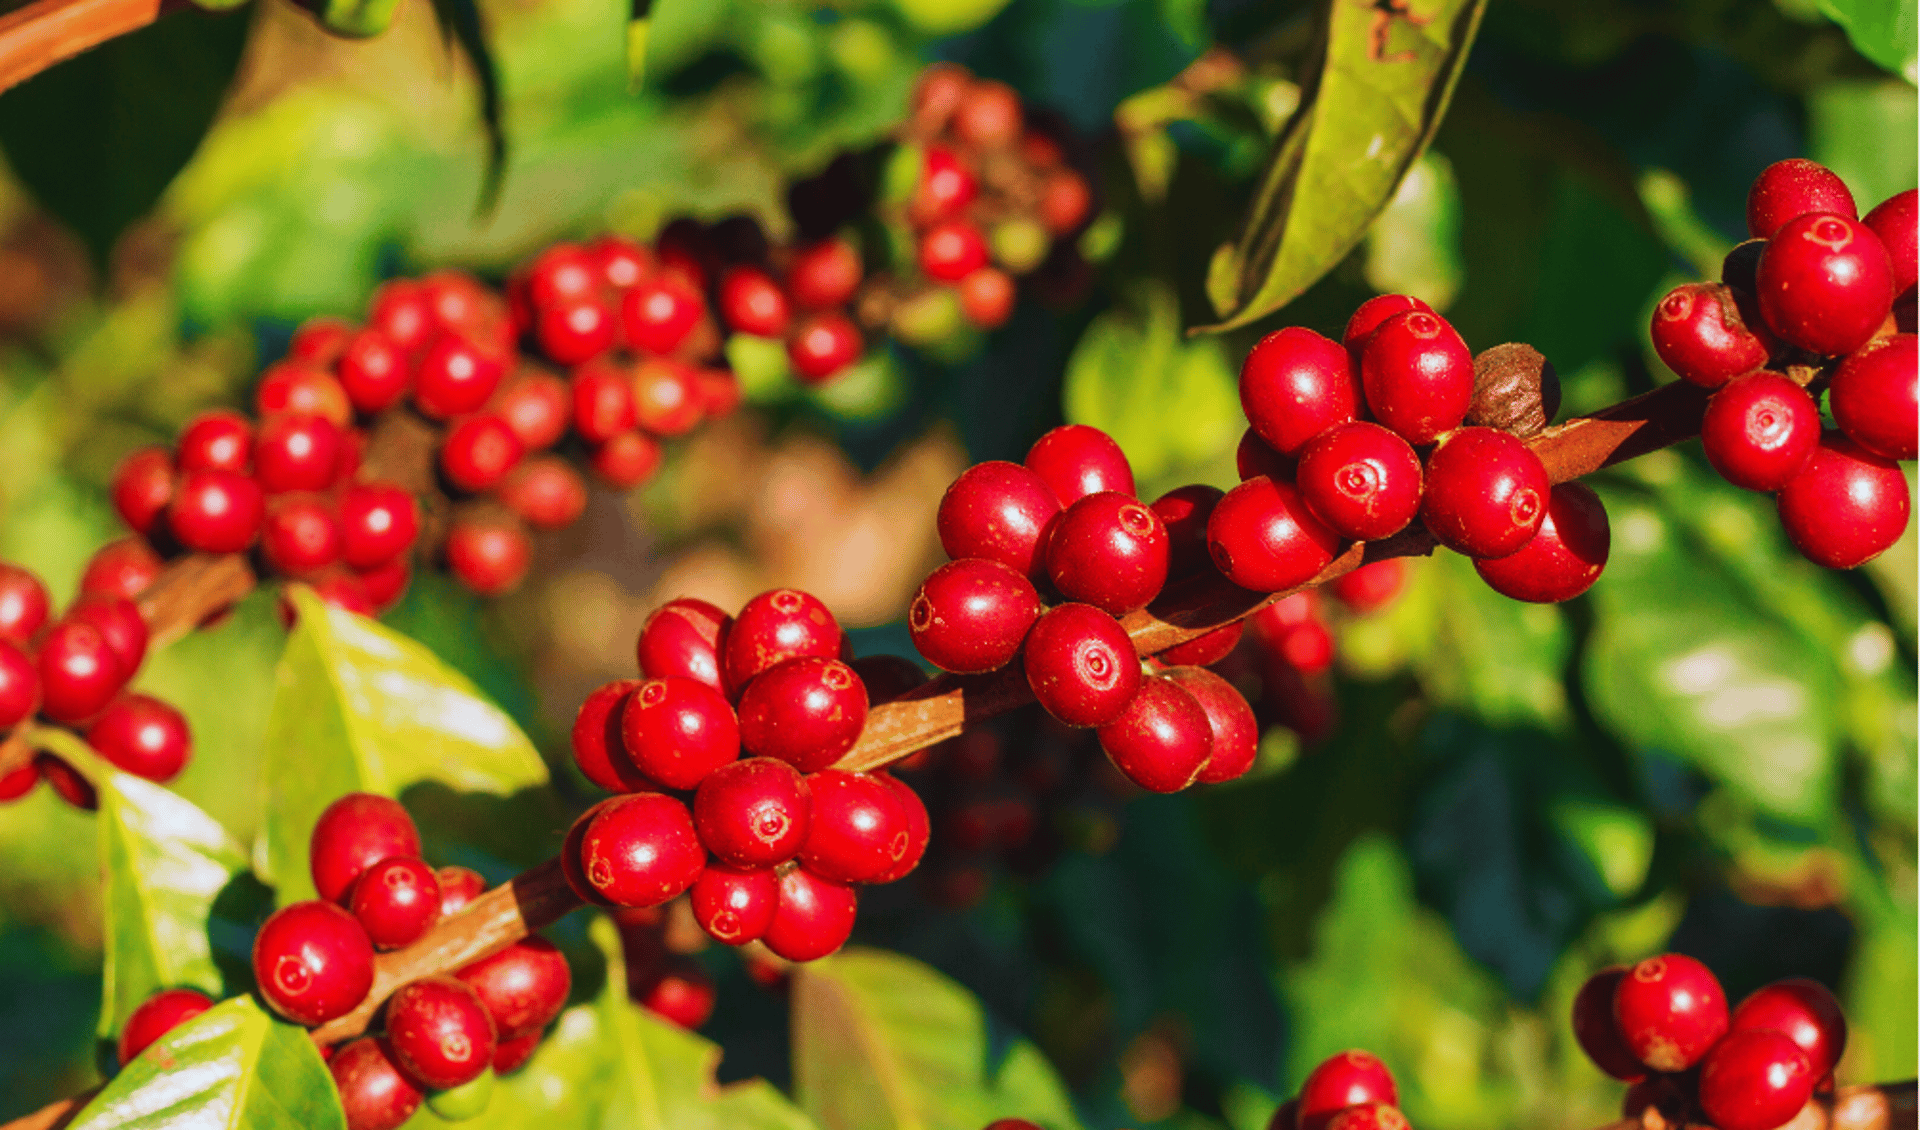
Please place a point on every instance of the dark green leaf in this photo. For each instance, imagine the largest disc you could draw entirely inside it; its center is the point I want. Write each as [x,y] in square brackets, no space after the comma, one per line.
[1882,30]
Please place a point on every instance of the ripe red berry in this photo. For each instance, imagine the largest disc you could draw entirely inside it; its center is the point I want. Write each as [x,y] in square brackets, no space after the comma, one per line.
[1109,550]
[1418,376]
[439,1031]
[220,440]
[814,916]
[523,986]
[824,274]
[1786,190]
[681,639]
[400,310]
[1670,1011]
[660,313]
[919,829]
[1803,1009]
[806,712]
[951,251]
[143,736]
[1347,1079]
[1065,201]
[1760,430]
[1204,650]
[119,622]
[1847,507]
[1161,739]
[1563,559]
[68,783]
[573,860]
[676,731]
[751,302]
[999,511]
[300,535]
[19,685]
[1699,331]
[545,492]
[374,1095]
[1184,511]
[296,452]
[859,829]
[667,397]
[122,567]
[456,377]
[986,297]
[575,332]
[621,263]
[971,615]
[946,186]
[598,747]
[1076,460]
[732,905]
[1081,665]
[373,371]
[1486,493]
[561,273]
[1263,537]
[23,603]
[537,406]
[1897,222]
[319,340]
[142,487]
[1368,316]
[1294,385]
[1875,396]
[1368,1116]
[602,402]
[988,115]
[478,452]
[378,522]
[79,672]
[754,813]
[216,511]
[1230,721]
[682,995]
[1362,480]
[626,460]
[511,1055]
[488,553]
[354,833]
[1825,283]
[458,887]
[312,962]
[1596,1031]
[157,1015]
[1755,1080]
[395,901]
[774,627]
[300,389]
[641,850]
[822,344]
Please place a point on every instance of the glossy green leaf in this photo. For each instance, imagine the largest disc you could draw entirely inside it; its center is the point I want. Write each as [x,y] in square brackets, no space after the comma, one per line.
[882,1042]
[233,1067]
[1885,31]
[1384,80]
[358,707]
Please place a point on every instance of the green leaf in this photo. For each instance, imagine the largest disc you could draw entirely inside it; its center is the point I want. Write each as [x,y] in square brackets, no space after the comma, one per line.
[356,19]
[883,1042]
[233,1067]
[1384,80]
[637,25]
[360,708]
[1882,30]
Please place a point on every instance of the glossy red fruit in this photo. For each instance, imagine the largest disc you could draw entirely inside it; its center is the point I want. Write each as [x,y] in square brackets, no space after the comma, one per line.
[79,672]
[523,986]
[1825,283]
[511,1055]
[626,460]
[676,731]
[859,829]
[384,585]
[220,440]
[374,1095]
[1789,189]
[545,492]
[1847,507]
[1596,1031]
[143,736]
[1081,665]
[457,376]
[488,553]
[312,962]
[971,615]
[575,332]
[735,906]
[1205,650]
[641,850]
[23,603]
[987,297]
[919,828]
[945,187]
[824,274]
[814,916]
[806,712]
[1230,721]
[373,371]
[478,452]
[142,487]
[395,901]
[303,390]
[751,302]
[1486,493]
[1076,460]
[681,639]
[1670,1011]
[1161,739]
[300,536]
[598,745]
[1184,512]
[1700,334]
[458,887]
[668,399]
[119,622]
[1368,1116]
[573,862]
[157,1015]
[683,995]
[1805,1011]
[354,833]
[1564,558]
[1347,1079]
[378,522]
[319,341]
[1294,385]
[1360,479]
[776,626]
[602,402]
[1897,222]
[1368,316]
[1065,201]
[400,310]
[822,344]
[1755,1080]
[1875,396]
[1263,537]
[1760,430]
[19,685]
[951,251]
[659,314]
[122,567]
[296,452]
[439,1031]
[537,406]
[337,588]
[1418,376]
[216,511]
[754,813]
[999,511]
[562,273]
[1109,550]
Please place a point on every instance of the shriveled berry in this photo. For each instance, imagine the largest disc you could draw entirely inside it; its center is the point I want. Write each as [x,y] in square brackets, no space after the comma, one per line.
[216,511]
[732,905]
[1161,739]
[676,731]
[374,1094]
[1081,665]
[1596,1031]
[1670,1011]
[1076,460]
[142,487]
[641,850]
[157,1015]
[1699,331]
[143,736]
[1109,550]
[1847,506]
[1264,537]
[1825,283]
[1755,1080]
[79,672]
[1803,1009]
[1564,558]
[998,511]
[1875,396]
[971,615]
[806,712]
[378,522]
[1294,385]
[776,626]
[681,639]
[1418,376]
[814,916]
[312,962]
[1486,493]
[1786,190]
[1362,480]
[1230,721]
[439,1031]
[523,986]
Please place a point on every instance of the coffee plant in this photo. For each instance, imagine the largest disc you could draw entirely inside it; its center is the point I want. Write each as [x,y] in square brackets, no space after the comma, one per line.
[1015,565]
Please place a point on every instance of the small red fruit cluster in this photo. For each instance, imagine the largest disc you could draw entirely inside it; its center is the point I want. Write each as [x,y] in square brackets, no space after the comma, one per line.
[1349,1091]
[1663,1025]
[1815,286]
[73,671]
[1288,648]
[670,984]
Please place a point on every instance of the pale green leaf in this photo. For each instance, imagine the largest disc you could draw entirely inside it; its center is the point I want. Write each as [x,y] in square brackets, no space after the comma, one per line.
[1885,31]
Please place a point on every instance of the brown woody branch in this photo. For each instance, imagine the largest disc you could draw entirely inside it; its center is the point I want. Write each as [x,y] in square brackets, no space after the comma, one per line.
[45,32]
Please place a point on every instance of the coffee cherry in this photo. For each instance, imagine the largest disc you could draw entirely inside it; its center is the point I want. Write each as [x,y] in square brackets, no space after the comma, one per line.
[1081,665]
[545,492]
[1755,1080]
[751,302]
[1291,631]
[439,1031]
[1825,283]
[806,712]
[682,995]
[1263,537]
[971,615]
[999,511]
[220,440]
[1368,1116]
[300,536]
[859,830]
[598,745]
[1294,385]
[488,553]
[400,310]
[676,731]
[626,460]
[157,1015]
[1847,507]
[1897,221]
[824,274]
[478,452]
[1786,190]
[336,588]
[68,783]
[1760,430]
[537,406]
[312,962]
[143,736]
[378,522]
[822,344]
[987,297]
[16,783]
[319,341]
[1373,586]
[1418,376]
[523,986]
[814,916]
[576,331]
[142,487]
[1161,739]
[395,901]
[511,1055]
[562,273]
[945,187]
[1184,511]
[123,567]
[216,511]
[1368,316]
[1875,396]
[1563,559]
[1486,493]
[919,829]
[681,639]
[951,251]
[774,627]
[1076,460]
[373,371]
[1109,550]
[1205,650]
[1670,1011]
[457,376]
[119,622]
[374,1095]
[754,813]
[1596,1031]
[641,850]
[23,603]
[458,887]
[296,452]
[573,862]
[602,402]
[1362,480]
[1065,201]
[298,388]
[667,398]
[1701,334]
[735,906]
[1230,721]
[659,314]
[79,673]
[354,833]
[1347,1079]
[1805,1011]
[19,685]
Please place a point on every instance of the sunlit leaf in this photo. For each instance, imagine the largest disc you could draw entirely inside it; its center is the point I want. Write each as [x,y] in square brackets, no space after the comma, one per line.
[1885,31]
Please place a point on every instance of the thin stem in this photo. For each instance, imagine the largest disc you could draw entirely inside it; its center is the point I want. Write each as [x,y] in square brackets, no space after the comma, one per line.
[47,31]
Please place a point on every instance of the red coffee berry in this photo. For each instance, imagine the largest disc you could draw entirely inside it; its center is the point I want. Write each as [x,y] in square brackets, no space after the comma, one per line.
[814,916]
[754,813]
[68,783]
[142,487]
[1368,316]
[488,553]
[523,987]
[859,830]
[751,302]
[971,615]
[119,622]
[989,115]
[373,371]
[1184,511]
[300,389]
[395,900]
[1563,559]
[17,783]
[1253,458]
[1825,283]
[822,344]
[1596,1031]
[1805,1011]
[683,995]
[945,187]
[319,340]
[1896,220]
[1875,396]
[602,402]
[545,492]
[681,639]
[312,962]
[378,522]
[576,331]
[573,861]
[122,567]
[374,1094]
[1760,430]
[1263,537]
[1109,550]
[354,833]
[1699,332]
[919,829]
[987,297]
[1362,480]
[659,314]
[1670,1011]
[1081,665]
[300,535]
[626,460]
[999,511]
[216,511]
[1204,650]
[1065,201]
[641,850]
[598,746]
[824,274]
[157,1015]
[951,251]
[511,1055]
[734,906]
[667,396]
[1786,190]
[1295,384]
[79,673]
[1368,1116]
[774,627]
[400,310]
[561,273]
[1755,1080]
[676,731]
[1230,721]
[456,377]
[1161,739]
[478,452]
[1486,493]
[1418,376]
[220,440]
[806,712]
[23,603]
[458,887]
[19,685]
[1076,460]
[439,1031]
[143,736]
[1347,1079]
[1847,507]
[336,588]
[296,452]
[537,406]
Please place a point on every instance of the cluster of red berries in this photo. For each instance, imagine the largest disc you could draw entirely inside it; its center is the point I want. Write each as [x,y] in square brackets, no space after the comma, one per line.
[1349,1091]
[73,671]
[769,846]
[1815,286]
[1663,1025]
